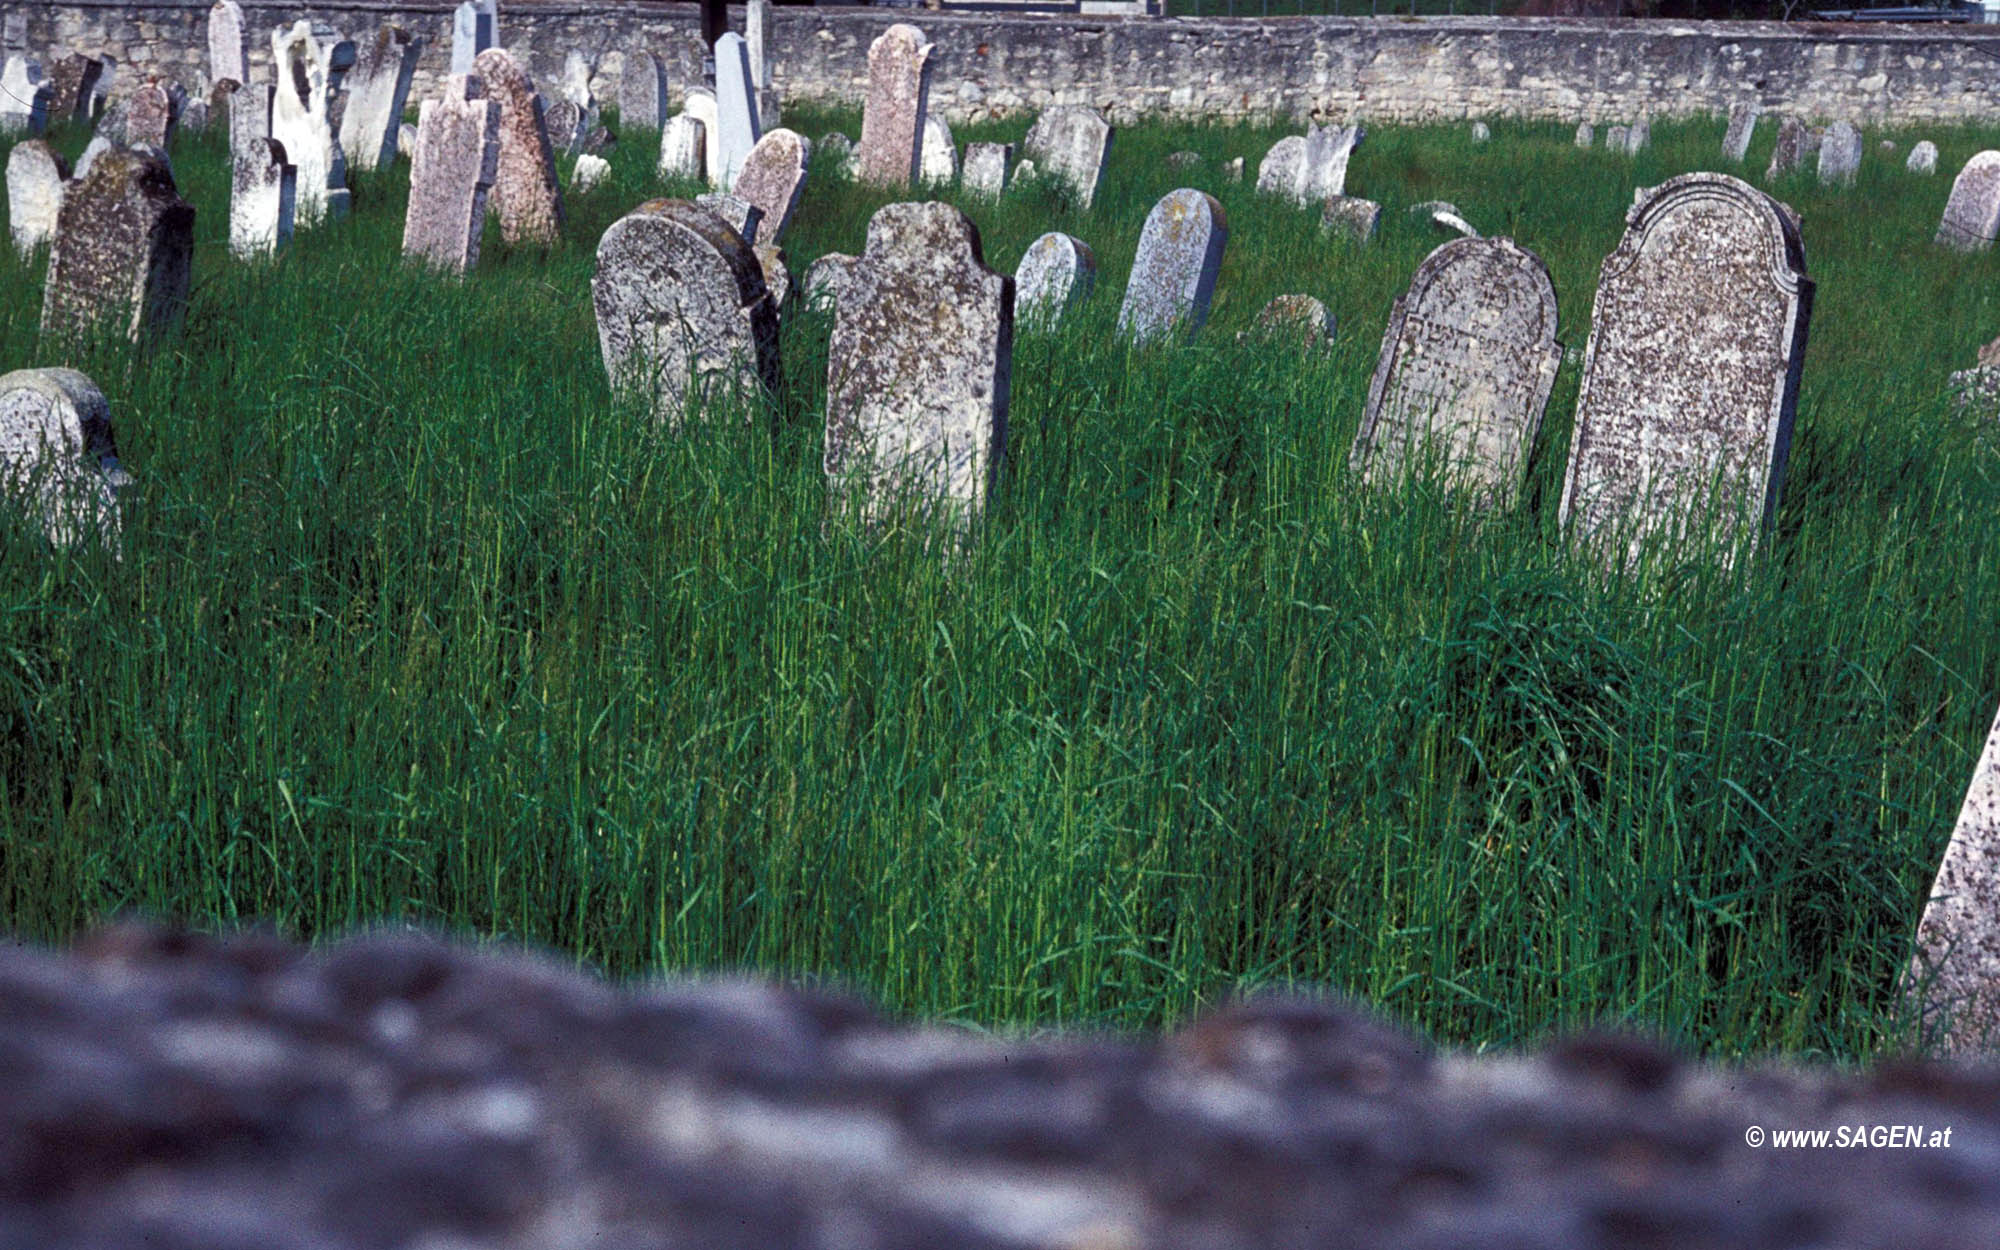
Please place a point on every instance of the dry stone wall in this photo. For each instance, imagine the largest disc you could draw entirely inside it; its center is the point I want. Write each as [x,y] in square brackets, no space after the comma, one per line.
[1303,68]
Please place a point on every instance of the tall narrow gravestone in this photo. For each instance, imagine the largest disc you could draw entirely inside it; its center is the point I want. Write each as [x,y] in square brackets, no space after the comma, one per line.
[737,126]
[773,176]
[456,159]
[756,18]
[699,105]
[642,92]
[1742,125]
[1953,979]
[1173,275]
[35,177]
[377,88]
[1972,215]
[918,369]
[1465,370]
[301,120]
[1071,143]
[1839,155]
[58,456]
[1691,371]
[682,309]
[228,43]
[525,192]
[892,120]
[24,97]
[1055,272]
[474,28]
[263,198]
[122,246]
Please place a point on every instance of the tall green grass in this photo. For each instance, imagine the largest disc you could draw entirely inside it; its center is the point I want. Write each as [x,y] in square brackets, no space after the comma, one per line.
[415,620]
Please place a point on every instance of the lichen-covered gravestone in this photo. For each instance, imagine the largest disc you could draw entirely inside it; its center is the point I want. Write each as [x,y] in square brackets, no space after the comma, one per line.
[918,369]
[1972,215]
[985,170]
[35,177]
[1352,216]
[1323,174]
[682,309]
[738,126]
[377,88]
[72,85]
[24,97]
[938,162]
[1173,274]
[263,197]
[683,148]
[1282,167]
[772,178]
[1071,144]
[563,119]
[825,279]
[301,120]
[1299,319]
[745,218]
[1840,155]
[1790,151]
[474,28]
[525,192]
[1953,979]
[892,120]
[1742,125]
[1923,158]
[149,116]
[1466,366]
[642,92]
[456,160]
[1691,372]
[228,43]
[122,247]
[699,104]
[58,456]
[1055,272]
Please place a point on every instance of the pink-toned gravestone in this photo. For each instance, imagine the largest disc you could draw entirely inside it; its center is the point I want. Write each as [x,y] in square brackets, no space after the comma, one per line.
[1070,143]
[123,242]
[228,44]
[772,177]
[1972,215]
[58,456]
[525,192]
[456,158]
[892,121]
[1953,979]
[149,115]
[1173,275]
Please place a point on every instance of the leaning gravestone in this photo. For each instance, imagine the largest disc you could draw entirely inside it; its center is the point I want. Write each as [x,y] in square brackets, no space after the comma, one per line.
[1352,216]
[1742,125]
[642,92]
[525,193]
[739,214]
[1283,167]
[772,178]
[35,177]
[263,197]
[1923,158]
[1691,371]
[228,43]
[1055,272]
[58,456]
[699,105]
[72,84]
[682,309]
[1173,274]
[1790,151]
[985,170]
[892,121]
[120,261]
[683,148]
[1466,366]
[1972,215]
[738,126]
[1953,978]
[1840,155]
[1071,144]
[149,116]
[97,147]
[456,159]
[918,369]
[24,97]
[474,28]
[377,88]
[302,121]
[938,162]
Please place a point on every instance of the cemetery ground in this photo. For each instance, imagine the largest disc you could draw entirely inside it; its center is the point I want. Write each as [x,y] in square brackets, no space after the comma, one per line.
[415,619]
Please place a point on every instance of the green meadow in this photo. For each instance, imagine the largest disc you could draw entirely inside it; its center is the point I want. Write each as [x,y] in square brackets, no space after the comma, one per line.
[416,620]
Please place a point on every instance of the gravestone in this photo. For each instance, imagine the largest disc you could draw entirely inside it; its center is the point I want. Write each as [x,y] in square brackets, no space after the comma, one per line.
[1232,170]
[563,119]
[682,306]
[456,161]
[1691,372]
[1349,215]
[1324,173]
[777,278]
[406,140]
[1055,272]
[122,245]
[683,148]
[1299,319]
[35,176]
[302,122]
[1445,215]
[590,170]
[72,85]
[918,369]
[1071,144]
[149,116]
[524,194]
[1923,158]
[773,176]
[699,104]
[756,20]
[1283,167]
[1183,159]
[228,43]
[1972,215]
[474,28]
[97,147]
[1790,152]
[194,117]
[24,97]
[263,199]
[1465,370]
[985,169]
[768,116]
[1953,978]
[1480,134]
[377,88]
[249,120]
[834,151]
[642,92]
[1173,274]
[1614,139]
[825,279]
[1839,155]
[1638,136]
[1584,136]
[575,83]
[892,120]
[1742,125]
[58,456]
[738,126]
[739,214]
[937,164]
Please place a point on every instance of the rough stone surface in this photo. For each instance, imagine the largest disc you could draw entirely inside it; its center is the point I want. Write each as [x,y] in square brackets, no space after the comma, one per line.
[918,370]
[835,149]
[1793,140]
[474,28]
[149,116]
[590,171]
[683,148]
[1056,272]
[985,170]
[738,123]
[1584,135]
[302,121]
[1283,167]
[1972,215]
[699,104]
[563,119]
[24,97]
[263,200]
[1071,143]
[937,162]
[892,122]
[745,218]
[377,89]
[525,193]
[1840,155]
[772,178]
[1691,372]
[825,279]
[642,91]
[1298,319]
[1324,172]
[1352,216]
[456,161]
[228,43]
[1954,975]
[123,241]
[35,176]
[756,21]
[58,457]
[1481,132]
[72,84]
[1742,127]
[682,309]
[1173,274]
[1923,158]
[1465,370]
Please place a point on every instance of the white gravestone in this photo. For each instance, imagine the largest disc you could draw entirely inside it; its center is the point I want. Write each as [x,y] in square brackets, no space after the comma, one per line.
[737,125]
[937,165]
[1055,273]
[58,456]
[1972,215]
[35,177]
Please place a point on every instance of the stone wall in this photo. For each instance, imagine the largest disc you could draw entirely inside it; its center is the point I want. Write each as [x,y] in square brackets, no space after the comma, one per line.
[1388,69]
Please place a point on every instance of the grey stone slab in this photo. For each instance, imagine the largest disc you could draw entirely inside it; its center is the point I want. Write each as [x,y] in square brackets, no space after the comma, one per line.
[1953,978]
[452,170]
[1971,218]
[937,163]
[1481,132]
[773,177]
[1585,137]
[738,123]
[1071,143]
[986,168]
[642,92]
[263,200]
[228,43]
[1173,274]
[1742,126]
[97,147]
[377,89]
[1324,172]
[1283,168]
[301,120]
[474,28]
[892,120]
[575,83]
[1923,158]
[1295,318]
[59,456]
[1615,138]
[756,20]
[683,148]
[35,176]
[1352,216]
[1056,272]
[699,104]
[745,218]
[1840,155]
[525,193]
[124,238]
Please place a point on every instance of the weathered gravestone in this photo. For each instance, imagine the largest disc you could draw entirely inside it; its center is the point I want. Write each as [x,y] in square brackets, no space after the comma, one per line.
[642,92]
[1183,159]
[1071,144]
[575,83]
[1691,372]
[35,176]
[1972,215]
[918,369]
[149,116]
[892,120]
[377,88]
[406,140]
[456,160]
[777,278]
[1173,275]
[937,164]
[745,218]
[1790,152]
[773,176]
[1349,215]
[1742,125]
[122,245]
[1232,169]
[1584,136]
[249,113]
[72,85]
[683,148]
[1282,168]
[263,198]
[985,170]
[699,104]
[194,116]
[228,43]
[1840,155]
[58,456]
[1953,979]
[525,193]
[1055,272]
[97,147]
[1481,132]
[590,170]
[301,120]
[1923,158]
[1299,319]
[682,309]
[474,28]
[1324,171]
[738,126]
[1614,139]
[1466,366]
[825,279]
[24,97]
[834,150]
[563,119]
[756,19]
[1638,136]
